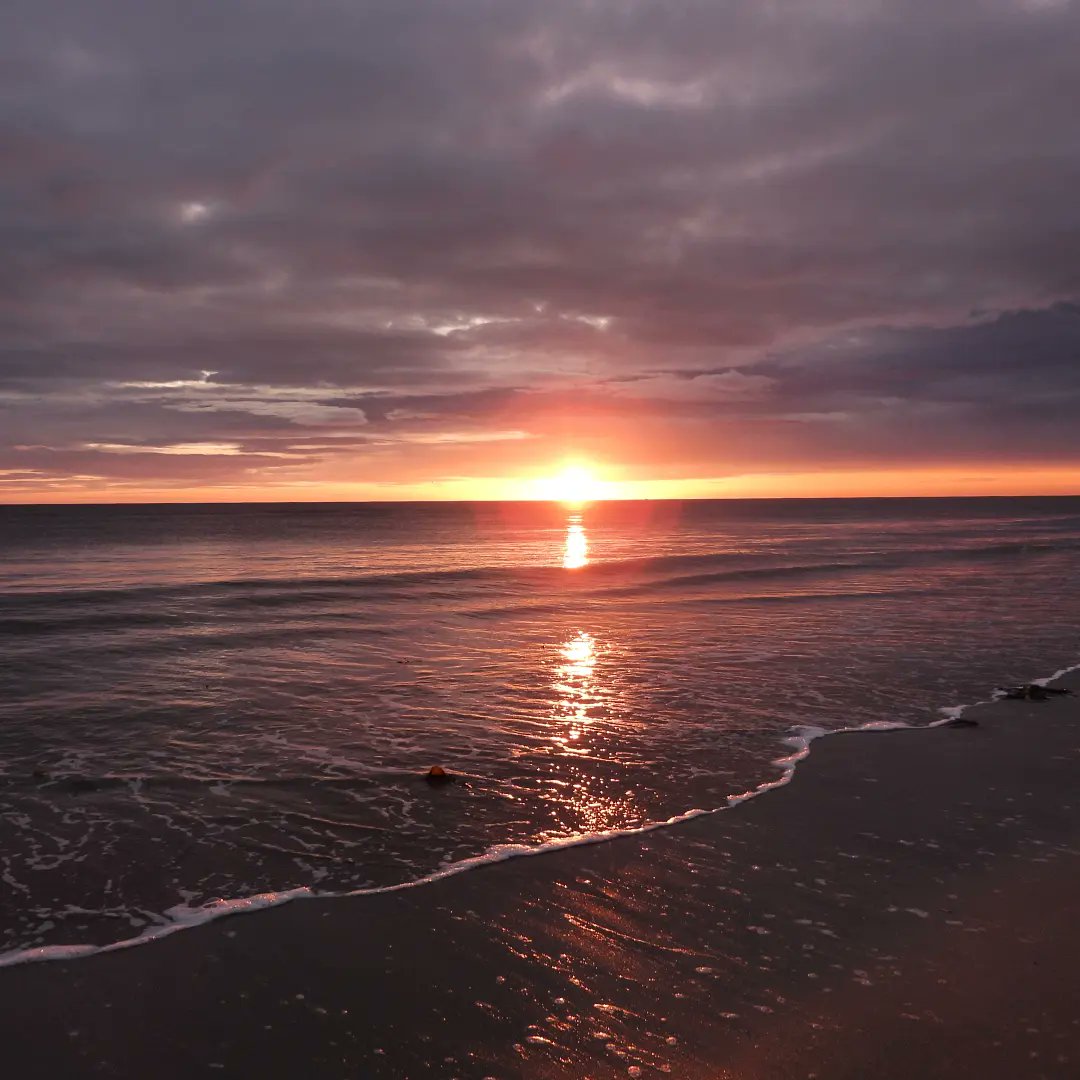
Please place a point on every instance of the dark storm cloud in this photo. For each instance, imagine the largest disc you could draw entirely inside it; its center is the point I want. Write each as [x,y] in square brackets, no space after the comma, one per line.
[1001,390]
[397,215]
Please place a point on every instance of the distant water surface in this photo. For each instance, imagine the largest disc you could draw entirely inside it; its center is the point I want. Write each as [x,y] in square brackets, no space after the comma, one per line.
[215,701]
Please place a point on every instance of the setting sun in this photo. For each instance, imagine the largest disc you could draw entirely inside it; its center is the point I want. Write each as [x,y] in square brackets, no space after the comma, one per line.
[574,485]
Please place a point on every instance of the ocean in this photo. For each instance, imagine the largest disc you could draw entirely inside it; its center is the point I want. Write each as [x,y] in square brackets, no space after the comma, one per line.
[200,704]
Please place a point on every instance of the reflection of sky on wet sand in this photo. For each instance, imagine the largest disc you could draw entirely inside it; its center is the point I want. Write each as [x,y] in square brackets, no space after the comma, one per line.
[612,985]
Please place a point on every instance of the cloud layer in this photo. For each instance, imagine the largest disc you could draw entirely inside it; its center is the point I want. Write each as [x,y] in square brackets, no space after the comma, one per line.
[411,240]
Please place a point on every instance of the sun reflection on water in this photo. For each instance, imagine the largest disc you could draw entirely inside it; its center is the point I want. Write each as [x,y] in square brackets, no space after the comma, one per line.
[592,793]
[575,692]
[576,553]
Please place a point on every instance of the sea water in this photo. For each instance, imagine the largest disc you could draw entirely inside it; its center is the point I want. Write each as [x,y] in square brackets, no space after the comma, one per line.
[200,704]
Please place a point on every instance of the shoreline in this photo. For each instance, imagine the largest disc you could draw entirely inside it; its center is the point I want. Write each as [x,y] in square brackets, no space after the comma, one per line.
[801,741]
[898,908]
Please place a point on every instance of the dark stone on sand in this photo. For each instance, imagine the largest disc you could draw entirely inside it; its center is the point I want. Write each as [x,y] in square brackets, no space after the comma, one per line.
[1031,692]
[961,721]
[1014,693]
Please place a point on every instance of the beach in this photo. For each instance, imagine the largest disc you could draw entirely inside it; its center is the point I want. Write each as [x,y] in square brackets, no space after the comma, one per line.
[534,540]
[906,906]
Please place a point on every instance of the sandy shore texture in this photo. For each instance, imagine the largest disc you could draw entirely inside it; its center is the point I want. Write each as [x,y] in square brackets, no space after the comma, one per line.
[909,906]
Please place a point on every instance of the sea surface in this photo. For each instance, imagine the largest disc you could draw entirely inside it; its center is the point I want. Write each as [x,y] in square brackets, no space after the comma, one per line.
[203,703]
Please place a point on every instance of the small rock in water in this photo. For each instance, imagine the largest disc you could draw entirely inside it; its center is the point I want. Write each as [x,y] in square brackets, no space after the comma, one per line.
[962,721]
[438,775]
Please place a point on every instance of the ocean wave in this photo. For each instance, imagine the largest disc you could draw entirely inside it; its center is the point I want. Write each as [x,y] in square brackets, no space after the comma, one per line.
[671,571]
[183,917]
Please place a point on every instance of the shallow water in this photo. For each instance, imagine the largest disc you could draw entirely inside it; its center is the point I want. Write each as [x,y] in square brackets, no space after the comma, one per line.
[201,702]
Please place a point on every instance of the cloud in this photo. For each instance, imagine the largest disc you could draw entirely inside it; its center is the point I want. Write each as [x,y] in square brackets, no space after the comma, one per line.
[704,387]
[373,236]
[173,449]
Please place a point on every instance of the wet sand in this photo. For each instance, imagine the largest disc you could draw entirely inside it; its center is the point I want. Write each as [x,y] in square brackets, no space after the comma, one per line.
[907,906]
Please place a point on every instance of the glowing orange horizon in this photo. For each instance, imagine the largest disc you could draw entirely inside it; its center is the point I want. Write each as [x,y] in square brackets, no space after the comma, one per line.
[836,483]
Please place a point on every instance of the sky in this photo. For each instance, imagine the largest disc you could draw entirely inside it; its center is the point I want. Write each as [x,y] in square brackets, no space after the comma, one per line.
[336,249]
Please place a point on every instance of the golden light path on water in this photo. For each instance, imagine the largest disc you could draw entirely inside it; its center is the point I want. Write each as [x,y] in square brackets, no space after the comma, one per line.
[586,713]
[576,553]
[576,691]
[575,685]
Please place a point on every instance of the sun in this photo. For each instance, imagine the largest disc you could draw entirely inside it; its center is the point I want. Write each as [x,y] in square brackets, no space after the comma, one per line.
[573,485]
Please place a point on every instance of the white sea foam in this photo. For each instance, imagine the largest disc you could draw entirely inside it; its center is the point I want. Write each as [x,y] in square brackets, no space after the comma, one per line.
[1059,674]
[184,917]
[181,917]
[954,712]
[800,739]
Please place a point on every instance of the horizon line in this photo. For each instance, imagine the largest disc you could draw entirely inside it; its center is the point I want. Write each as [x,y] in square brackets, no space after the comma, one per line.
[541,502]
